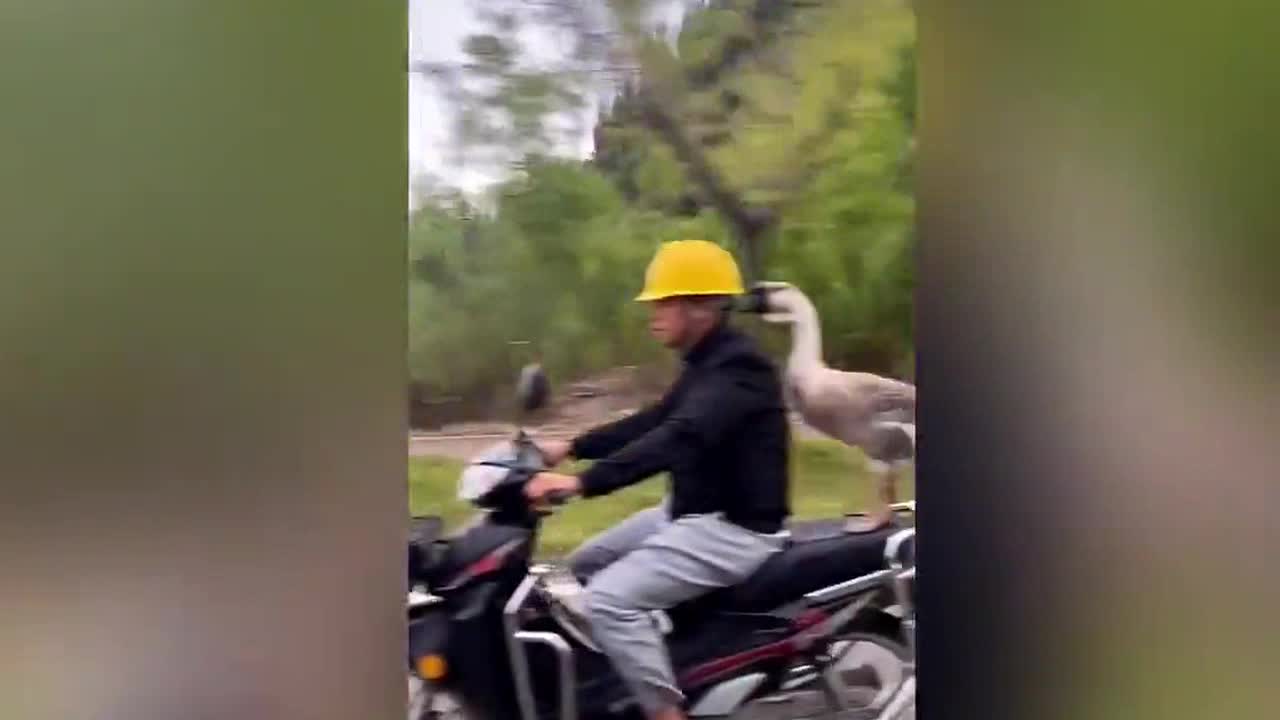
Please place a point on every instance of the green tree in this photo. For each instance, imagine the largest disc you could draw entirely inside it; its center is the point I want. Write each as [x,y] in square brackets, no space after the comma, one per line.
[790,120]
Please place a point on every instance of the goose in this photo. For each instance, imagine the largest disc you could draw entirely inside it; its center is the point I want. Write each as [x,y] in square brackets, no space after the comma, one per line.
[873,413]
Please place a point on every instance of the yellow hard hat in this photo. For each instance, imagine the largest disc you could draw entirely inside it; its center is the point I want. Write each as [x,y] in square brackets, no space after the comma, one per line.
[690,267]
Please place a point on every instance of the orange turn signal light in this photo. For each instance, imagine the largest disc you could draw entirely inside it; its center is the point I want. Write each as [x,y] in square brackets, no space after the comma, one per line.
[431,667]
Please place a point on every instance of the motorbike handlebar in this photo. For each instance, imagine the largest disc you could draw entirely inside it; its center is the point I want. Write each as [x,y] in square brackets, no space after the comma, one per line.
[552,499]
[558,497]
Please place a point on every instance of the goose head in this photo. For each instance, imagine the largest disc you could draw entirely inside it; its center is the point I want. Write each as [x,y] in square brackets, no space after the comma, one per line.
[780,302]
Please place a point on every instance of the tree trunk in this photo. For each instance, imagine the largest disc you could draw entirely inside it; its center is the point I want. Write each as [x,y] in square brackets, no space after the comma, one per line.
[749,223]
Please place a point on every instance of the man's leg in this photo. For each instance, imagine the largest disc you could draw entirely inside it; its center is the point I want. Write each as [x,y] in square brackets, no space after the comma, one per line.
[605,548]
[691,556]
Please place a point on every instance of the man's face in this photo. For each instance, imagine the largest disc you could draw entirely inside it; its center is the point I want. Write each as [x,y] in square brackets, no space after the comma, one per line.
[669,322]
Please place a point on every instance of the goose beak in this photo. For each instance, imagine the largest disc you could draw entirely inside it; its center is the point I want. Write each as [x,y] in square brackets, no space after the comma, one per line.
[754,301]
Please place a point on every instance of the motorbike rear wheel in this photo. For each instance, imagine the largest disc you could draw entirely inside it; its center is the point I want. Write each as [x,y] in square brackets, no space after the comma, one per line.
[868,669]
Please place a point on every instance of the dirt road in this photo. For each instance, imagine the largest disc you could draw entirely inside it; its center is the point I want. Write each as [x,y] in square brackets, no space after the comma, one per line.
[465,445]
[462,447]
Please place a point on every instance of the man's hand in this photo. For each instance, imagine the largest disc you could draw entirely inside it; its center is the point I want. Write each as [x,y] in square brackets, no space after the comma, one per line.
[543,483]
[554,451]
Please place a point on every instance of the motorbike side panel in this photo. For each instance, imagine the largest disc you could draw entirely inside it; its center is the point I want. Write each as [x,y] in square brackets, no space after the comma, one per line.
[428,634]
[476,652]
[474,544]
[602,694]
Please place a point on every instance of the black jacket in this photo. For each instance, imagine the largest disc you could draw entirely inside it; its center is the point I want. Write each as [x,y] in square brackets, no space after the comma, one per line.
[721,431]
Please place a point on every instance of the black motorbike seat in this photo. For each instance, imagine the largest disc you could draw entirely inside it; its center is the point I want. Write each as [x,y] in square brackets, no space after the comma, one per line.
[819,554]
[809,563]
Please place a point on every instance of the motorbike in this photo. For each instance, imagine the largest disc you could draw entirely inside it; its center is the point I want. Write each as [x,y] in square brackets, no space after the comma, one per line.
[824,629]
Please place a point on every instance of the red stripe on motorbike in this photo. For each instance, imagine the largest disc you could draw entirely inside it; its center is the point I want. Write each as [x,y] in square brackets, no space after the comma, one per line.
[483,566]
[713,670]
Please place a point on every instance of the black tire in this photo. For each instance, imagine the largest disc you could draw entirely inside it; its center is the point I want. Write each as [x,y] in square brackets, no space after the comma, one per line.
[874,667]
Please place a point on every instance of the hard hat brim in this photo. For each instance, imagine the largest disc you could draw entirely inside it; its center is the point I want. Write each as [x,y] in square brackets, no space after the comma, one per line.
[654,296]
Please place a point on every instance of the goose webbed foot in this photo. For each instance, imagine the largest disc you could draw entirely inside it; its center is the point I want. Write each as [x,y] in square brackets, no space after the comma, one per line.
[870,522]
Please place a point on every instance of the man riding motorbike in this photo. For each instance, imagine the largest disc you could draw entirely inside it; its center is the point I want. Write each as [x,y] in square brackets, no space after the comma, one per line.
[721,431]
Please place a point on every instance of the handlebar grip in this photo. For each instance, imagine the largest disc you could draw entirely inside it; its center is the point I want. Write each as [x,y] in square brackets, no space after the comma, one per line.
[558,497]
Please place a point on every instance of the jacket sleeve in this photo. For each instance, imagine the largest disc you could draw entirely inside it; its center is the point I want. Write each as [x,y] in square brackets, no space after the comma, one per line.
[711,408]
[600,441]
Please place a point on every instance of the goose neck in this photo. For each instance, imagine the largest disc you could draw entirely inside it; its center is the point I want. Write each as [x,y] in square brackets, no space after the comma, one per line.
[806,341]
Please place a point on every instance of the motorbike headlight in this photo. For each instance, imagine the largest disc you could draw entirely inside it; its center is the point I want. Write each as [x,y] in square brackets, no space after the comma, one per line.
[485,471]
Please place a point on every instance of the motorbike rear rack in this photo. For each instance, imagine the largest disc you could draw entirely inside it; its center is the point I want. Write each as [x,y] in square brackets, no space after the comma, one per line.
[903,577]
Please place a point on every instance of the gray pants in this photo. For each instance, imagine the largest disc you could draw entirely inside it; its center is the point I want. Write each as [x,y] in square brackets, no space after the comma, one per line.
[649,562]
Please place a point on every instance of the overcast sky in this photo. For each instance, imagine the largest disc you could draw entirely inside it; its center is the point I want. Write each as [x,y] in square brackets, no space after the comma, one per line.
[437,29]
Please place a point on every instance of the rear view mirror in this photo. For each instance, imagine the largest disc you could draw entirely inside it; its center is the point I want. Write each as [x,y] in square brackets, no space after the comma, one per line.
[533,390]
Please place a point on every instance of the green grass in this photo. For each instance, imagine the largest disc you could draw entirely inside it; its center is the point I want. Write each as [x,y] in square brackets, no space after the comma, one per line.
[827,480]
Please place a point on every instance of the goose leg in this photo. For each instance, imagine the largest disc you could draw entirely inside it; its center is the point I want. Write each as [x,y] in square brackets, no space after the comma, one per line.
[881,514]
[886,495]
[887,491]
[889,445]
